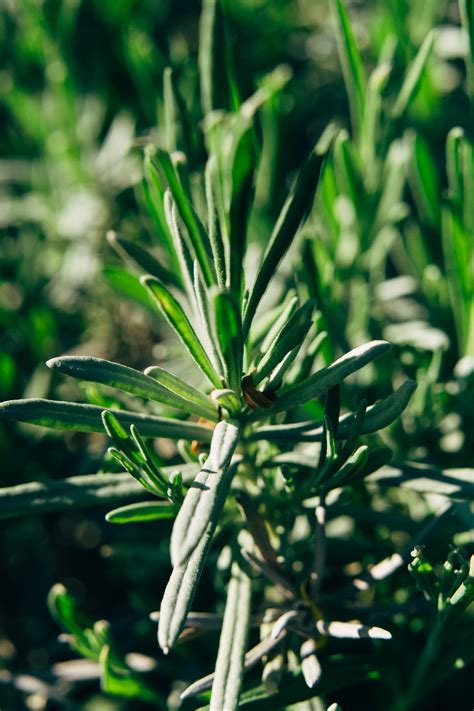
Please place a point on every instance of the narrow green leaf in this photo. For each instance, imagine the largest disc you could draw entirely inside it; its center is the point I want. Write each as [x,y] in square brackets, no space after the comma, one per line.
[242,191]
[205,322]
[291,335]
[128,285]
[146,511]
[133,454]
[371,125]
[454,142]
[206,497]
[349,469]
[327,378]
[291,216]
[178,320]
[213,226]
[414,76]
[229,335]
[175,118]
[376,418]
[128,380]
[466,11]
[275,321]
[347,171]
[226,398]
[338,673]
[154,190]
[65,609]
[195,230]
[172,382]
[424,181]
[352,64]
[232,643]
[139,257]
[183,256]
[58,415]
[218,85]
[119,682]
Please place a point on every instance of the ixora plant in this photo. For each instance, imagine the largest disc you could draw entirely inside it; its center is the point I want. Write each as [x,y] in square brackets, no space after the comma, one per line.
[258,450]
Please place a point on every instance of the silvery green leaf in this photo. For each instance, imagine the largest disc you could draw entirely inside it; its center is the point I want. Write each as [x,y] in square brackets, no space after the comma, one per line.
[180,591]
[351,630]
[206,496]
[129,380]
[229,335]
[327,378]
[184,390]
[233,640]
[59,415]
[215,235]
[376,418]
[290,336]
[293,213]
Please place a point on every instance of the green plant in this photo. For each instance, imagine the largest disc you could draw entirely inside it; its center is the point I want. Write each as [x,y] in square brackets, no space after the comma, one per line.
[261,457]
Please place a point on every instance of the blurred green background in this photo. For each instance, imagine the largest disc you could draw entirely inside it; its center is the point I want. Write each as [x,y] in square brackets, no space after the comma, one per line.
[80,94]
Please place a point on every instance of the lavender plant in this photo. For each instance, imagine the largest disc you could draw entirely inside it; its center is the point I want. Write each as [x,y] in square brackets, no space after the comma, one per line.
[263,424]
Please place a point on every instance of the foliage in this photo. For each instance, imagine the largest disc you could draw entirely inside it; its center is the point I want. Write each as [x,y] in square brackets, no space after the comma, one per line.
[302,467]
